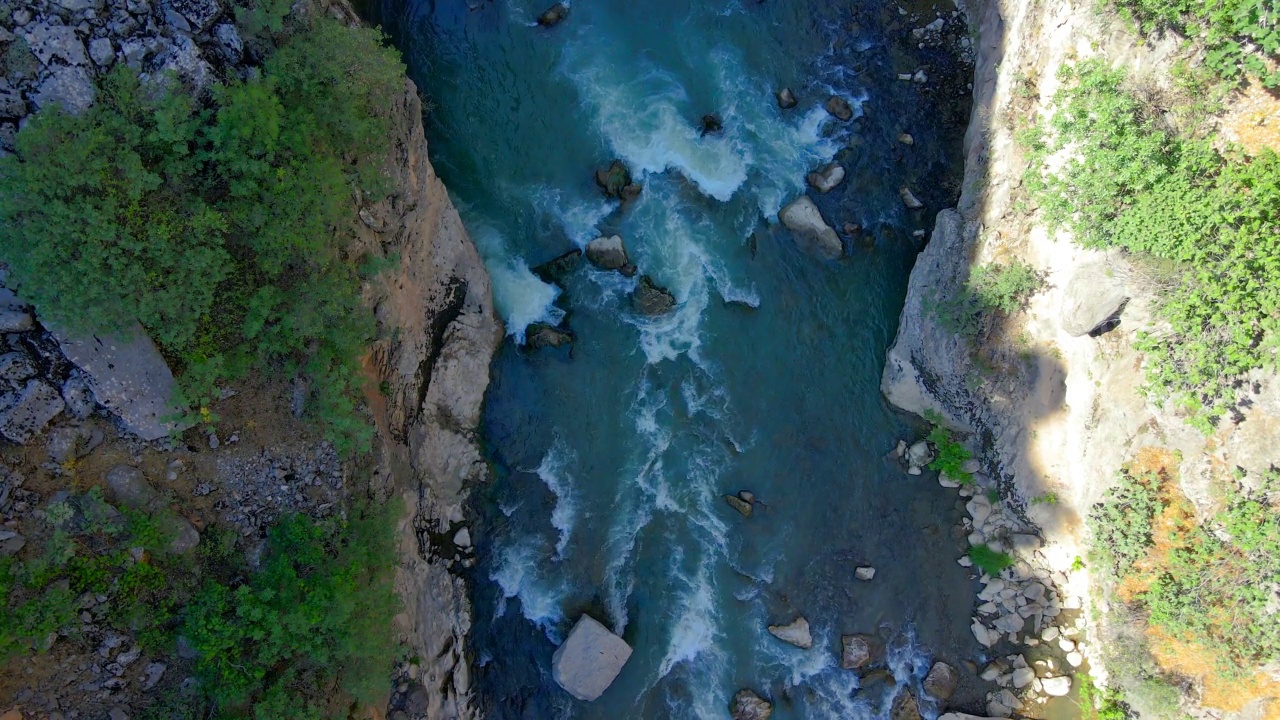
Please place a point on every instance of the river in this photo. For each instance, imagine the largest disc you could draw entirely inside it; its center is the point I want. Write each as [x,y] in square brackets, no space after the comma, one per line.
[611,459]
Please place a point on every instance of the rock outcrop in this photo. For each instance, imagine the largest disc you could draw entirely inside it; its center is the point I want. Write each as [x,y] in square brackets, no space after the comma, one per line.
[651,298]
[440,334]
[607,253]
[586,664]
[1094,294]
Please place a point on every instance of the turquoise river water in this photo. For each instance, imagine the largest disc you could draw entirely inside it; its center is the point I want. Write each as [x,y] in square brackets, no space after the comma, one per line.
[611,459]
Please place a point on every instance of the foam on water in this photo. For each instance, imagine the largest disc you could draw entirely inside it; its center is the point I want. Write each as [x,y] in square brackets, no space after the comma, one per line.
[520,297]
[578,217]
[518,572]
[553,471]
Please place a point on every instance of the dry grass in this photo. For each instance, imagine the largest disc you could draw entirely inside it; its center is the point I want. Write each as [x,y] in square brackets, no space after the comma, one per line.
[1252,119]
[1202,663]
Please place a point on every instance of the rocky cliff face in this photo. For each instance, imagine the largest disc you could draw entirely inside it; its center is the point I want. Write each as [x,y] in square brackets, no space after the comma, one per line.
[438,332]
[1049,409]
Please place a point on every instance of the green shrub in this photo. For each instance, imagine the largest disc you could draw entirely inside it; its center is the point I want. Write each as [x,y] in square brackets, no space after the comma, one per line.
[989,561]
[1241,36]
[1211,218]
[1122,522]
[1004,287]
[951,456]
[220,227]
[307,634]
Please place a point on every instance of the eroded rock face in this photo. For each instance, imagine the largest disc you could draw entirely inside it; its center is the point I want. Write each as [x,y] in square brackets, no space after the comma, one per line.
[436,363]
[589,659]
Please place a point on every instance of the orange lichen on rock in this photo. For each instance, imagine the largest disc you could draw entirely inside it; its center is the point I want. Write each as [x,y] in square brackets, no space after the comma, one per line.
[1252,119]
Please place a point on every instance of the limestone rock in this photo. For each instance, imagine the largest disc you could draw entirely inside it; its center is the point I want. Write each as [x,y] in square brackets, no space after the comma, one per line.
[864,573]
[909,198]
[16,367]
[71,88]
[839,108]
[49,41]
[607,253]
[746,705]
[859,651]
[589,660]
[826,178]
[24,413]
[811,231]
[983,634]
[920,454]
[1023,677]
[128,377]
[652,299]
[941,682]
[737,503]
[1093,295]
[1056,686]
[786,99]
[102,52]
[553,15]
[795,633]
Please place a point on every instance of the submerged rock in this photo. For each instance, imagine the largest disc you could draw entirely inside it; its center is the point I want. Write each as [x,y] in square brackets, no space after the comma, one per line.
[909,199]
[711,124]
[1093,297]
[812,233]
[553,15]
[795,633]
[651,298]
[746,705]
[607,253]
[589,660]
[786,99]
[905,707]
[557,268]
[826,178]
[615,181]
[737,503]
[941,682]
[840,108]
[544,335]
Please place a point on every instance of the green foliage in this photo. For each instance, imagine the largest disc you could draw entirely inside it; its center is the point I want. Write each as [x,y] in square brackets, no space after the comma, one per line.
[995,287]
[313,625]
[1211,219]
[1241,36]
[989,561]
[219,227]
[1122,522]
[1098,703]
[951,454]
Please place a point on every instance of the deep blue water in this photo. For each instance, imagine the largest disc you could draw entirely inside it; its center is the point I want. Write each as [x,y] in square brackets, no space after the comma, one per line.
[611,459]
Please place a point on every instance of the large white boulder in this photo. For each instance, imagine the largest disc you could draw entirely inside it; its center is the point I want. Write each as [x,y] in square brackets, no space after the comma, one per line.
[812,233]
[590,658]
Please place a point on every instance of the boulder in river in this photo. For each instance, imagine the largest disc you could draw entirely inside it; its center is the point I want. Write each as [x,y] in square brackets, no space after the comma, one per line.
[589,659]
[1056,686]
[615,179]
[826,178]
[746,705]
[865,573]
[795,633]
[839,108]
[607,253]
[739,504]
[786,99]
[1093,297]
[545,335]
[905,707]
[909,198]
[711,124]
[941,682]
[859,651]
[553,15]
[557,268]
[652,299]
[812,233]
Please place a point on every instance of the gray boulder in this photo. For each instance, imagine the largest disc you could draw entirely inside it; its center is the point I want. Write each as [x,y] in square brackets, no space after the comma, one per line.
[941,682]
[905,707]
[26,412]
[589,660]
[544,335]
[1094,295]
[859,651]
[795,633]
[607,253]
[651,298]
[48,41]
[15,320]
[909,198]
[128,377]
[102,52]
[11,542]
[230,46]
[197,14]
[811,232]
[68,87]
[786,99]
[16,366]
[76,6]
[737,503]
[182,58]
[826,178]
[746,705]
[78,396]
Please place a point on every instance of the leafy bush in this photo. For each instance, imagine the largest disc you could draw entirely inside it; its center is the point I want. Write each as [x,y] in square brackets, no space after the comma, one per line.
[1122,522]
[989,561]
[1241,36]
[1214,218]
[308,633]
[1004,287]
[219,228]
[951,456]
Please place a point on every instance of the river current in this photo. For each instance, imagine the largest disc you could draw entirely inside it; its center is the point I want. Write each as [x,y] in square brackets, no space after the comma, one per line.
[611,459]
